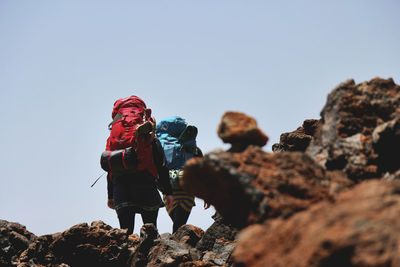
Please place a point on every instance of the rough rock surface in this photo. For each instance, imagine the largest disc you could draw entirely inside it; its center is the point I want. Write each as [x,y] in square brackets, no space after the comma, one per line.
[14,239]
[219,230]
[299,139]
[139,254]
[359,130]
[220,253]
[81,245]
[188,234]
[240,130]
[253,185]
[360,229]
[101,245]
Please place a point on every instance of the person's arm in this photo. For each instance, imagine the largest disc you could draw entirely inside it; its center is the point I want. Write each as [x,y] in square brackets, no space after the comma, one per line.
[110,189]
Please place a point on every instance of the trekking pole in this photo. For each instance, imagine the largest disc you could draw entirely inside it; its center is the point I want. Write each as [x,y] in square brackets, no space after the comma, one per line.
[97,179]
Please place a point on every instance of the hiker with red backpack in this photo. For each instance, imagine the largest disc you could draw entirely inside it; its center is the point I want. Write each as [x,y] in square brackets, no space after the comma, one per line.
[179,143]
[135,162]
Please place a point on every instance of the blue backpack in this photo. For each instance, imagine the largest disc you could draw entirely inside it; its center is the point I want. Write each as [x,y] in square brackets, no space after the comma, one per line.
[178,141]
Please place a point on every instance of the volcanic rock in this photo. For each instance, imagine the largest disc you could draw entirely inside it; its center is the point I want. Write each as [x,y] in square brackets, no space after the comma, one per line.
[14,239]
[361,228]
[188,234]
[81,245]
[386,144]
[253,185]
[167,252]
[221,252]
[352,115]
[299,139]
[139,255]
[240,131]
[219,230]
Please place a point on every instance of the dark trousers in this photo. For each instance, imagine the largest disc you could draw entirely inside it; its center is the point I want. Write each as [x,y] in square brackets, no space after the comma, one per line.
[179,217]
[126,217]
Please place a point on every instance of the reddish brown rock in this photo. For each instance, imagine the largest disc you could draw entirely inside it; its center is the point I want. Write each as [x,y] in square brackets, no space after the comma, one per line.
[241,131]
[188,234]
[360,229]
[14,239]
[168,252]
[253,185]
[82,245]
[221,252]
[101,245]
[217,231]
[299,139]
[139,254]
[40,253]
[352,114]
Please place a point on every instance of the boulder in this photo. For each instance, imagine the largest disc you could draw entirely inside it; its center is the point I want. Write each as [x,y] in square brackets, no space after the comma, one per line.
[168,252]
[352,115]
[139,255]
[219,230]
[359,229]
[14,239]
[220,253]
[299,139]
[188,234]
[82,245]
[240,131]
[253,185]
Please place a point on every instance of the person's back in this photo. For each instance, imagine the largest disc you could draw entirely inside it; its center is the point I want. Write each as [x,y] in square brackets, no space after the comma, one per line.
[134,169]
[179,142]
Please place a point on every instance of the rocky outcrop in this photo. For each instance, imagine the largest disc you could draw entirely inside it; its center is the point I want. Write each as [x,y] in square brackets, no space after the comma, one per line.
[81,245]
[299,139]
[359,130]
[139,255]
[304,207]
[360,229]
[14,239]
[101,245]
[219,230]
[240,131]
[254,185]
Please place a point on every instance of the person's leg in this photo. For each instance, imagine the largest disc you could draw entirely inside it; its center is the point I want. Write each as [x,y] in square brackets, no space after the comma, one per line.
[149,217]
[179,217]
[126,217]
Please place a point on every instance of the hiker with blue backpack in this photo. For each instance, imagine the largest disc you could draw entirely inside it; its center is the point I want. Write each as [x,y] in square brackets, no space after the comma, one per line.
[135,163]
[178,140]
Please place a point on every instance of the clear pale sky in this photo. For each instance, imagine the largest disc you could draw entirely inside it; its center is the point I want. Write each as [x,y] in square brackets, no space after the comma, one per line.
[64,63]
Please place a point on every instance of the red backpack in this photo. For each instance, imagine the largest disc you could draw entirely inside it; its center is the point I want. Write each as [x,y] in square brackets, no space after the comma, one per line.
[129,113]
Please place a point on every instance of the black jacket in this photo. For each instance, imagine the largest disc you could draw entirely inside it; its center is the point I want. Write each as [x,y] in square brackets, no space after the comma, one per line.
[129,183]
